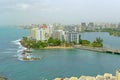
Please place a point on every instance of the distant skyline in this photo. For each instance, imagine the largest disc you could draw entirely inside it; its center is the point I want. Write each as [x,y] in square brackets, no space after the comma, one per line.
[16,12]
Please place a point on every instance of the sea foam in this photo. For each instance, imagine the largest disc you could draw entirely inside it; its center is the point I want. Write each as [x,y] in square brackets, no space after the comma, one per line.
[20,49]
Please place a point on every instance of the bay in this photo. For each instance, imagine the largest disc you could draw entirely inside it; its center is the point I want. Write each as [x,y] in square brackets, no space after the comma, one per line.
[55,62]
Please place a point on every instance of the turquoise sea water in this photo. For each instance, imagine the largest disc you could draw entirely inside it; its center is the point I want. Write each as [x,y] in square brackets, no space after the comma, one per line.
[55,63]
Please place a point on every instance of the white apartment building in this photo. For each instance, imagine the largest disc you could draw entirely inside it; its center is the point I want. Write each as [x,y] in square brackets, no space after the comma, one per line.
[58,34]
[42,33]
[72,36]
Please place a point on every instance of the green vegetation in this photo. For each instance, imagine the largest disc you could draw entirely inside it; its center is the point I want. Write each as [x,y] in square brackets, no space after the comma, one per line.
[84,42]
[29,43]
[54,42]
[113,32]
[97,43]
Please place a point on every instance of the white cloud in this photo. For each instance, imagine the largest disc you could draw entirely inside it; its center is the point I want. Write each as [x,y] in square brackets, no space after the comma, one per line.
[23,6]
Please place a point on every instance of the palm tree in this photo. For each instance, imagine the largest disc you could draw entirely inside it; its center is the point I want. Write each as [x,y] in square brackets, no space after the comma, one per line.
[99,40]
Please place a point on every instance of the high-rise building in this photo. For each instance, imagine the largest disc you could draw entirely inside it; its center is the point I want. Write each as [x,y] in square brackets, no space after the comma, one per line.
[58,34]
[42,33]
[70,28]
[50,29]
[72,37]
[91,24]
[35,33]
[83,25]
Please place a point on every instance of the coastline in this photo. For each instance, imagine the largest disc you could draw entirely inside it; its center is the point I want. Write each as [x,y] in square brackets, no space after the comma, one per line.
[106,76]
[22,53]
[90,48]
[98,49]
[58,47]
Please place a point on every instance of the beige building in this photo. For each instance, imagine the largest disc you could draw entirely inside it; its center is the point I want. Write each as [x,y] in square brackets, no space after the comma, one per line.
[35,33]
[42,33]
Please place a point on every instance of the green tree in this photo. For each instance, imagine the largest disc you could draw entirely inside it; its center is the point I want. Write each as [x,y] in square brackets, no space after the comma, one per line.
[84,42]
[54,42]
[98,42]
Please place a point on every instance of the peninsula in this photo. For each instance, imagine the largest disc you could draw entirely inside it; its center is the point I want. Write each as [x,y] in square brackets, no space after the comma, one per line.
[57,44]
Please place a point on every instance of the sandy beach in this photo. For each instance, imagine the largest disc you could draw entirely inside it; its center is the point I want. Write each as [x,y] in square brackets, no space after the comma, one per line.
[58,47]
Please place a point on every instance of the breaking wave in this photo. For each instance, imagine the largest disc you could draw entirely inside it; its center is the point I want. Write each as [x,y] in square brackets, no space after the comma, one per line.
[19,50]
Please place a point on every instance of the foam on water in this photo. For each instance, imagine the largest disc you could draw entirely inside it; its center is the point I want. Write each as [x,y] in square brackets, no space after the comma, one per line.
[16,41]
[20,47]
[12,49]
[8,52]
[19,50]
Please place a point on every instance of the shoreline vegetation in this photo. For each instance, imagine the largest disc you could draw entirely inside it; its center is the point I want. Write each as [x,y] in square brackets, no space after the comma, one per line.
[57,44]
[112,32]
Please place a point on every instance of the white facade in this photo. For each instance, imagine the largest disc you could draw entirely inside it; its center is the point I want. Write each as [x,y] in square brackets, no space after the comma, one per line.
[35,33]
[42,33]
[59,34]
[72,36]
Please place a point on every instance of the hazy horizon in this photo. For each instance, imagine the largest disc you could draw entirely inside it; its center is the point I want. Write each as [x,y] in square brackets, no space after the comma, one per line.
[14,12]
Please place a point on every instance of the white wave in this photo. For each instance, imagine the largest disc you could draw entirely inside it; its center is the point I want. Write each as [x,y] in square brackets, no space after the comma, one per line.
[8,52]
[20,57]
[20,46]
[15,56]
[11,49]
[17,42]
[21,49]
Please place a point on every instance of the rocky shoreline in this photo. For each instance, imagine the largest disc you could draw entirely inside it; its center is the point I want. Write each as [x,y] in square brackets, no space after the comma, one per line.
[98,49]
[27,56]
[106,76]
[3,78]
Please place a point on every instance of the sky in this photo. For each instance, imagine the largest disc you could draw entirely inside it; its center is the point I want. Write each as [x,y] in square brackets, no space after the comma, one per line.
[16,12]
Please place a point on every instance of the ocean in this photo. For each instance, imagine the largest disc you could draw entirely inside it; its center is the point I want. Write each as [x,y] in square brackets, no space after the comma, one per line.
[55,62]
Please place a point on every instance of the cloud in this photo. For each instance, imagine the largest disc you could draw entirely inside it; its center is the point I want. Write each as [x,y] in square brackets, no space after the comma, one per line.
[58,10]
[23,6]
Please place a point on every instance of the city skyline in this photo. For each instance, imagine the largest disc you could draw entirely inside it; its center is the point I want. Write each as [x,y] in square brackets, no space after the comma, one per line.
[58,11]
